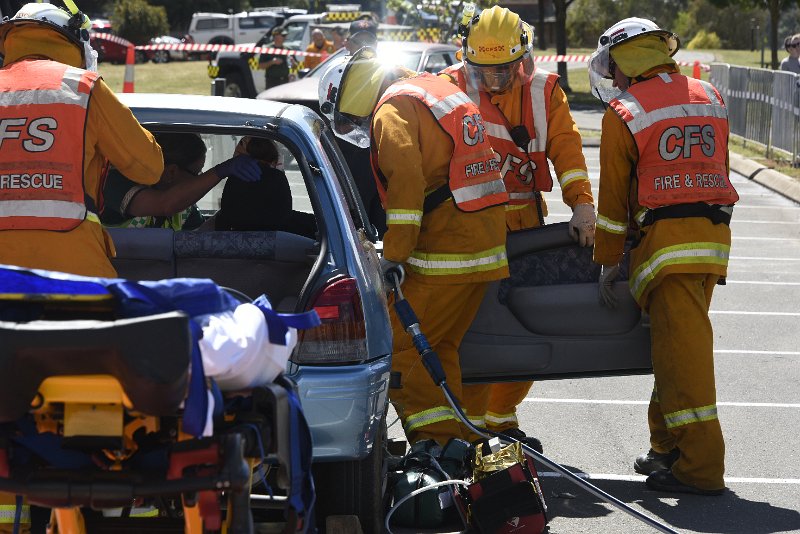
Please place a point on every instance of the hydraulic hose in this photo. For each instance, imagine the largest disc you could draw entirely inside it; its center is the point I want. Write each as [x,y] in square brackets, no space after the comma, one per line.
[433,365]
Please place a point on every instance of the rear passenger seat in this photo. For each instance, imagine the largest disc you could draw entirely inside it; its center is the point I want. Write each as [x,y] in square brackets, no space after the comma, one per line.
[273,263]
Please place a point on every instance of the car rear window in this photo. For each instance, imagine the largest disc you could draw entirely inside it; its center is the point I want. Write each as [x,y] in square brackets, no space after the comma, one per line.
[211,24]
[257,22]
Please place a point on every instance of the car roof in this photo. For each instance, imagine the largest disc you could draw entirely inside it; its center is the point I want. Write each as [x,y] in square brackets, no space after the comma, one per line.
[200,109]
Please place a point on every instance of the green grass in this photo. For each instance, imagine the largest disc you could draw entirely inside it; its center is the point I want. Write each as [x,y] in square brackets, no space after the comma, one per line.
[186,77]
[779,161]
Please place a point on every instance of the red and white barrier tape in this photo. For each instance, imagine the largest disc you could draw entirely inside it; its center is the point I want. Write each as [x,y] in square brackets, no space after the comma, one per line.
[194,47]
[113,38]
[585,59]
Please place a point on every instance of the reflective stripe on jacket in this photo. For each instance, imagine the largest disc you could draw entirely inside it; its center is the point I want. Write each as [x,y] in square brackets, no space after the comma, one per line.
[474,177]
[43,112]
[445,245]
[523,171]
[680,126]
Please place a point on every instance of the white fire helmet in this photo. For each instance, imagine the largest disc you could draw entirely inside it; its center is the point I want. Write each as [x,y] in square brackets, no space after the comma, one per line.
[600,75]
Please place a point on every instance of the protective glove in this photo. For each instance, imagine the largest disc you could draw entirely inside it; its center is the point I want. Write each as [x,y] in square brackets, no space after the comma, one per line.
[606,285]
[243,167]
[388,270]
[581,226]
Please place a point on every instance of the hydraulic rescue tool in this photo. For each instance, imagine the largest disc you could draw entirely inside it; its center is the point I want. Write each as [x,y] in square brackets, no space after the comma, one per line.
[407,317]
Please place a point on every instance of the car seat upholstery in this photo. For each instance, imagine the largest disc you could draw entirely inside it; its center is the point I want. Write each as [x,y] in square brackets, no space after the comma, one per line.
[276,264]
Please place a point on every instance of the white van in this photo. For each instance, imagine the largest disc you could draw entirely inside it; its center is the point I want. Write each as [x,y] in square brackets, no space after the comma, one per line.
[238,28]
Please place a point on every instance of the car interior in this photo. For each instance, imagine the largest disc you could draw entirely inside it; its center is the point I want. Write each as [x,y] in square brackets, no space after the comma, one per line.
[276,262]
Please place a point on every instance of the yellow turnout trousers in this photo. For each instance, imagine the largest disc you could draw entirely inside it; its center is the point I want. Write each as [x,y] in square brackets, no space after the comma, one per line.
[494,406]
[683,409]
[445,313]
[8,510]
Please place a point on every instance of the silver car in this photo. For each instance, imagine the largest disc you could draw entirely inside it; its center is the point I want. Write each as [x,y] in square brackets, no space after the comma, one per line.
[342,367]
[417,56]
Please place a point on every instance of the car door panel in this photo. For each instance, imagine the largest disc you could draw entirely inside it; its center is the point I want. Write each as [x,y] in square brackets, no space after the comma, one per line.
[545,320]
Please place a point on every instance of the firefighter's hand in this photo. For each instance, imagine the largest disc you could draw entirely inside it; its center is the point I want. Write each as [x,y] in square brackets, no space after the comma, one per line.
[606,286]
[581,226]
[243,167]
[392,272]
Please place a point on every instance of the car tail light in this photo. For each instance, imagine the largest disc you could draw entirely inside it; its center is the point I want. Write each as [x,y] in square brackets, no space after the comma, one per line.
[342,336]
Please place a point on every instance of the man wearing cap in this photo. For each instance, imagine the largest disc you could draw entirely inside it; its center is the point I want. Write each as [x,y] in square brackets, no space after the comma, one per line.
[276,65]
[363,32]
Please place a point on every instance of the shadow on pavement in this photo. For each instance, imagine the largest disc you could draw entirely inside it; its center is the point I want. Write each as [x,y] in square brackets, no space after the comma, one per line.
[728,513]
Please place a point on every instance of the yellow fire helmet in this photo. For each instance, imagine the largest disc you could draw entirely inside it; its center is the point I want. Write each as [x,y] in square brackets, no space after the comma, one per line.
[348,92]
[496,50]
[72,24]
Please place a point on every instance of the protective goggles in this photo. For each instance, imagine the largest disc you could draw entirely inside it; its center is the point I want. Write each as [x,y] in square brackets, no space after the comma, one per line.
[500,78]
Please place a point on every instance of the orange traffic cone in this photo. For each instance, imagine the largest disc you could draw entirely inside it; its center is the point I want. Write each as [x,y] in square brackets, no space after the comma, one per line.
[130,60]
[696,69]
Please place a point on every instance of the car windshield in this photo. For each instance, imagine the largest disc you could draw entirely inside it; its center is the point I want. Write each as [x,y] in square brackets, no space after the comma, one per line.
[410,60]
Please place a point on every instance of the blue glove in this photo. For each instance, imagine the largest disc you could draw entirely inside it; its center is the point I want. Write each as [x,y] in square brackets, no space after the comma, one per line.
[243,167]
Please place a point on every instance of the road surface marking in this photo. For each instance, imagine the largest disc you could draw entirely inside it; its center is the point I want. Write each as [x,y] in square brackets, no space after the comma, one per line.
[775,352]
[641,478]
[733,312]
[761,283]
[645,402]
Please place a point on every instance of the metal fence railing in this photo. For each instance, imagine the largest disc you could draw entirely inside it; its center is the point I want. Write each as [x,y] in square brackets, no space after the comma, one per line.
[763,105]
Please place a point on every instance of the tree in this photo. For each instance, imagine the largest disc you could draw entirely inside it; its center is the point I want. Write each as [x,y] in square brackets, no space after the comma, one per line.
[734,24]
[138,21]
[561,40]
[774,7]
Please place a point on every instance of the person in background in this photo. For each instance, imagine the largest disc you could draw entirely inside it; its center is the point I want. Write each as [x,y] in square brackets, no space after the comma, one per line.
[276,66]
[319,45]
[49,216]
[677,196]
[363,32]
[339,35]
[528,122]
[265,205]
[791,63]
[446,224]
[171,202]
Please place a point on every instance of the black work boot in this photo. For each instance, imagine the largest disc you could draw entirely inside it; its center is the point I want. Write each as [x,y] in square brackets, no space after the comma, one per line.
[664,480]
[519,435]
[651,461]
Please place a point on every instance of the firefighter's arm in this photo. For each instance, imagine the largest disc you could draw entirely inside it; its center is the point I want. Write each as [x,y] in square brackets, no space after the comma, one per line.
[396,136]
[122,140]
[564,149]
[618,158]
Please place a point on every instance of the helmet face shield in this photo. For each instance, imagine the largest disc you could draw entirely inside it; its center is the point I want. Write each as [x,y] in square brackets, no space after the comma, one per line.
[601,77]
[348,92]
[500,78]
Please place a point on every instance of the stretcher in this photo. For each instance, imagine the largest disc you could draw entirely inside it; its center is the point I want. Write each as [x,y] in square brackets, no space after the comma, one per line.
[98,416]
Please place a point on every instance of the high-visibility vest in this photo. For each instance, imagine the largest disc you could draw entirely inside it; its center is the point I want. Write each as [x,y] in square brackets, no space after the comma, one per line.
[523,171]
[680,126]
[474,175]
[43,113]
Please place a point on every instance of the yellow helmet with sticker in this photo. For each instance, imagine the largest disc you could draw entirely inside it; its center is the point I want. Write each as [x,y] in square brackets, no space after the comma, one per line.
[496,49]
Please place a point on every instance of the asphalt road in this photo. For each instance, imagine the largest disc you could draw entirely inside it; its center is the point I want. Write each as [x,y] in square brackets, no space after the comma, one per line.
[597,426]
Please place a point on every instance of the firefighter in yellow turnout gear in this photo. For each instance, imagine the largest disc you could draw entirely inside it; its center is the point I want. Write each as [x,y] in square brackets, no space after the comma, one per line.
[664,175]
[426,134]
[528,121]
